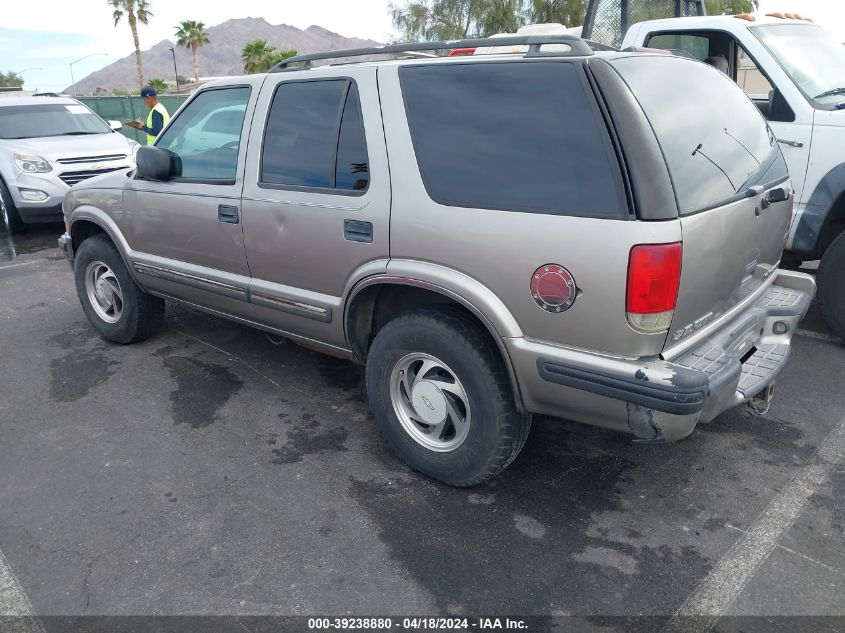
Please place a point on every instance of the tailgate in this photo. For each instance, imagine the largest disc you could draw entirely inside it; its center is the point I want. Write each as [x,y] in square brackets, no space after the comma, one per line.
[729,252]
[730,180]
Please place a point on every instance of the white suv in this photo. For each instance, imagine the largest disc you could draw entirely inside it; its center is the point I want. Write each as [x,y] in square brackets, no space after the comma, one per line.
[47,145]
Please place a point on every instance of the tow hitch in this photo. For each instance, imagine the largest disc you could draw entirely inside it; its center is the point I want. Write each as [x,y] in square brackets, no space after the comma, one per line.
[760,403]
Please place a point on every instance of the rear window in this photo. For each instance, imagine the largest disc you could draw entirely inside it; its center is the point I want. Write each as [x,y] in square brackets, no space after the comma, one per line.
[512,136]
[714,139]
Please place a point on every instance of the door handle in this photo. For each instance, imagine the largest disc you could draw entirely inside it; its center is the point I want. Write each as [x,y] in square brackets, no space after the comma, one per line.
[780,194]
[791,143]
[228,214]
[358,231]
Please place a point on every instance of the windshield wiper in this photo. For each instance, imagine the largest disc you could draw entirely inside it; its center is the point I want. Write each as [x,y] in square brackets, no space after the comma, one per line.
[830,93]
[79,133]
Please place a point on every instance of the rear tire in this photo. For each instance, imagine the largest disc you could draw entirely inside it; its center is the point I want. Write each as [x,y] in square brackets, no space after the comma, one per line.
[831,281]
[442,359]
[11,217]
[114,304]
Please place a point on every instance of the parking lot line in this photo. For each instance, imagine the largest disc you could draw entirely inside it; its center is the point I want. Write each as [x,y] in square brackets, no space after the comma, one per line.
[715,594]
[19,265]
[14,602]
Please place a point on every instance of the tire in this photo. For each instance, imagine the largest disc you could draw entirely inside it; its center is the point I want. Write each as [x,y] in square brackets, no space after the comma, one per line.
[12,219]
[120,311]
[831,281]
[480,437]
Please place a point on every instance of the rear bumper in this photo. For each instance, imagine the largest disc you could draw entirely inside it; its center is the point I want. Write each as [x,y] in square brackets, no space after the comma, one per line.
[659,400]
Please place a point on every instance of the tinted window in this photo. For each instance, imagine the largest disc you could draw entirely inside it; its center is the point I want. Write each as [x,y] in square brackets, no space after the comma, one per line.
[300,140]
[714,139]
[512,136]
[208,152]
[49,119]
[352,171]
[696,45]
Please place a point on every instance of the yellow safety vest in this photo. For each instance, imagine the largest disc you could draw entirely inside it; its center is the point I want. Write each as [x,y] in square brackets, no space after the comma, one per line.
[165,116]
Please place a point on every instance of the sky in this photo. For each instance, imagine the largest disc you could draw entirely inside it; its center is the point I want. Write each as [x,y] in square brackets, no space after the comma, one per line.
[41,39]
[50,34]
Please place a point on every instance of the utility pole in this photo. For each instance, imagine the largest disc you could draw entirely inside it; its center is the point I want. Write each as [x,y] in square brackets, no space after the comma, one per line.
[175,70]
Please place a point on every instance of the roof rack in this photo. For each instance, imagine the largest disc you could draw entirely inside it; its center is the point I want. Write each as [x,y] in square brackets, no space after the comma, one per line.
[578,47]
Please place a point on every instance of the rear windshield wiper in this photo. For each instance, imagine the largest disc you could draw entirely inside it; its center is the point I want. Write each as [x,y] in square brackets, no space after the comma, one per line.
[830,93]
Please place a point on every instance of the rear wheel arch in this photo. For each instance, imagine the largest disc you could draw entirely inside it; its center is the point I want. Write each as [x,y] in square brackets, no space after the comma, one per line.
[373,304]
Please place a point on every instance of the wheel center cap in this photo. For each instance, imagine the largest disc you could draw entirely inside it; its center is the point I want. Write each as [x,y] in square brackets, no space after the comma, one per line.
[101,290]
[429,402]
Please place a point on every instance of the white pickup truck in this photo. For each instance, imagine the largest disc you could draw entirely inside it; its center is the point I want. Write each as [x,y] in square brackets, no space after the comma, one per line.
[795,74]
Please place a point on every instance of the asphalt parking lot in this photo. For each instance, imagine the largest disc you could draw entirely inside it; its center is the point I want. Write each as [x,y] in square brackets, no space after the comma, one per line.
[209,471]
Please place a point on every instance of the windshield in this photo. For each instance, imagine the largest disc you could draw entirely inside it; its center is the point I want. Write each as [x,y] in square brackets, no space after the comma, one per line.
[49,119]
[811,58]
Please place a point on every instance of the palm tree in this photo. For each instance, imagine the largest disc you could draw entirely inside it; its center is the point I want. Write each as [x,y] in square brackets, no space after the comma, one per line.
[135,11]
[257,56]
[191,34]
[160,85]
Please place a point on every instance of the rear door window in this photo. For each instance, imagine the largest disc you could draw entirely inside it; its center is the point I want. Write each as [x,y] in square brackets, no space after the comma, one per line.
[315,137]
[516,136]
[715,141]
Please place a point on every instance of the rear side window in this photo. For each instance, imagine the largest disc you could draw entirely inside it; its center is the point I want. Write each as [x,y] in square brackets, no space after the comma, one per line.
[512,136]
[714,139]
[315,137]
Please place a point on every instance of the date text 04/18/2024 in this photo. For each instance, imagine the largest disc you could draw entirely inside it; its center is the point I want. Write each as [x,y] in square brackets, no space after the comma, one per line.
[417,623]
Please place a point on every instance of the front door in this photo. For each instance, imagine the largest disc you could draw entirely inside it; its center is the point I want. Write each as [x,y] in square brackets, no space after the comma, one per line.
[316,200]
[186,234]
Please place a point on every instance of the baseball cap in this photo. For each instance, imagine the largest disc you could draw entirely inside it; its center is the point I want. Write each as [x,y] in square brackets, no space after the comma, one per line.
[148,91]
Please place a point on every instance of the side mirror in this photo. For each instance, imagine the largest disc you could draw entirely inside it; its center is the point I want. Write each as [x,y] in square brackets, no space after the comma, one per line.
[115,125]
[154,163]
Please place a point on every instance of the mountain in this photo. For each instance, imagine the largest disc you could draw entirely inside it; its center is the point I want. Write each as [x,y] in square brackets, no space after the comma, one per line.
[221,56]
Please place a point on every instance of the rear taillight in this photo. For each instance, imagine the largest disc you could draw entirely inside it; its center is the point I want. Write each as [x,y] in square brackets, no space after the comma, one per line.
[654,273]
[461,51]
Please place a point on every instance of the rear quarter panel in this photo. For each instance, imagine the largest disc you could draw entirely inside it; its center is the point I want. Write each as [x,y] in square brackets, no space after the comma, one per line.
[500,250]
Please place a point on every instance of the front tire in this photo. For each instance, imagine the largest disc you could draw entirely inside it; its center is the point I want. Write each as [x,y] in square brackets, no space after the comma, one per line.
[114,304]
[441,397]
[831,281]
[11,217]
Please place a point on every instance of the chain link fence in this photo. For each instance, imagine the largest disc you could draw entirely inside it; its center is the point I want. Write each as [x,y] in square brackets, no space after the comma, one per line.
[125,109]
[607,20]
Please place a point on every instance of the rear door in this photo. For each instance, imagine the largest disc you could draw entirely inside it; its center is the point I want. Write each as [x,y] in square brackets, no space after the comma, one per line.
[316,199]
[725,165]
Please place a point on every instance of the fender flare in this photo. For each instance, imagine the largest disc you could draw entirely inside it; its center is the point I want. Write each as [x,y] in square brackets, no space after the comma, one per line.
[813,219]
[500,323]
[88,213]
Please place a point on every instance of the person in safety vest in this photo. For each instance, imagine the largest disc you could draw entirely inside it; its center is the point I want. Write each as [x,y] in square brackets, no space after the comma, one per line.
[156,119]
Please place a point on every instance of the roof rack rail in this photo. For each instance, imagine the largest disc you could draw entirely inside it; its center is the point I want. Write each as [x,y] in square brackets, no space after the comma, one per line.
[578,47]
